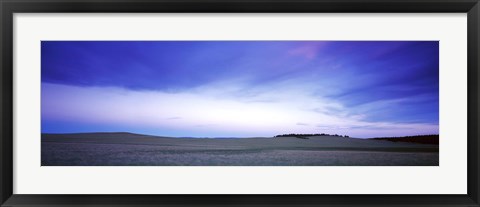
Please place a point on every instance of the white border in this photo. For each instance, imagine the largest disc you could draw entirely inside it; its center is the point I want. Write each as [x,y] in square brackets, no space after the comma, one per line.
[449,178]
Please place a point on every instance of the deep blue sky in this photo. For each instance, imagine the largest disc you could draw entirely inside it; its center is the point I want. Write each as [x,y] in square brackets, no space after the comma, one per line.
[360,88]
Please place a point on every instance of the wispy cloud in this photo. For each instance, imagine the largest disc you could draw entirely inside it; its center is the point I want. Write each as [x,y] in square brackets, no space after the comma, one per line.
[206,112]
[173,118]
[302,124]
[308,50]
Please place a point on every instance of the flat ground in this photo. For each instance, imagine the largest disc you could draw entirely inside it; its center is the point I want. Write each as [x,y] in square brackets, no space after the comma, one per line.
[126,149]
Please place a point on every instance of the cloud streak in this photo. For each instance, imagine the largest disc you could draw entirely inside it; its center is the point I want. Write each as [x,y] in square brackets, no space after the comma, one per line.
[217,116]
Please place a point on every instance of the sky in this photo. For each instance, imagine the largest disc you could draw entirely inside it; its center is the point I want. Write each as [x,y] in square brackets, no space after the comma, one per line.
[241,88]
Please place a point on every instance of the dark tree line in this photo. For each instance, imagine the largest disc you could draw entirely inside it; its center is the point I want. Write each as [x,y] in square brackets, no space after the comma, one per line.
[421,139]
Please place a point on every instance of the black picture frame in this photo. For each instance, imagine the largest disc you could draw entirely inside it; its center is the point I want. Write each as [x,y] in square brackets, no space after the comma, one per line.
[9,7]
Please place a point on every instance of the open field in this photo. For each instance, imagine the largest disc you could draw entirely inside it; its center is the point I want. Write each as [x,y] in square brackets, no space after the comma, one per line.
[126,149]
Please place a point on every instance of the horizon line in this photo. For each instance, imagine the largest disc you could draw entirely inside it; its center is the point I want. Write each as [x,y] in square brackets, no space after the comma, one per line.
[120,132]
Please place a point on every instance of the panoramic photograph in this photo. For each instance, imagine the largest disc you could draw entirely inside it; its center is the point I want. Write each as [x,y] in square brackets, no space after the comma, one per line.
[240,103]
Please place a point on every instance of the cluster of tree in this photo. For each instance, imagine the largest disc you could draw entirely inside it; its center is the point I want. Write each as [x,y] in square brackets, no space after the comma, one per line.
[421,139]
[305,136]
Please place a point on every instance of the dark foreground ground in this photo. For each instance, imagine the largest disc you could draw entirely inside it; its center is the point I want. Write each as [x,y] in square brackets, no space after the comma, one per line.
[126,149]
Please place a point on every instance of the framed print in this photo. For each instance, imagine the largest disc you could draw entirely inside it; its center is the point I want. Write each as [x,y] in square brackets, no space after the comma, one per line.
[204,118]
[239,103]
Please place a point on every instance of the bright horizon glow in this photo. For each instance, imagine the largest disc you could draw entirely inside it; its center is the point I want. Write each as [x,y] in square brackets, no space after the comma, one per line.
[241,88]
